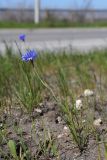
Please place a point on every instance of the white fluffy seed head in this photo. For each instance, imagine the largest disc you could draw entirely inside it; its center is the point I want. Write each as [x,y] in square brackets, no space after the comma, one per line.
[78,104]
[88,92]
[97,122]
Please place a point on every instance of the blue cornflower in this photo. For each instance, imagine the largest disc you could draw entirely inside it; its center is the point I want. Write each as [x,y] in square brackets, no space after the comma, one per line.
[22,37]
[30,55]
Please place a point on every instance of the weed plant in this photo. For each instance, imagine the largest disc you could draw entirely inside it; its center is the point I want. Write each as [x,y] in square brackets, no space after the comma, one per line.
[65,77]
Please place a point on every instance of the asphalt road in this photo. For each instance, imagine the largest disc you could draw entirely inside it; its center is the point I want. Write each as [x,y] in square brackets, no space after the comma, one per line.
[54,39]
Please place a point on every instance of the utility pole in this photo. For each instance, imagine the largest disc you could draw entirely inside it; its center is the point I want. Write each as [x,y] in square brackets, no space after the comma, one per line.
[37,11]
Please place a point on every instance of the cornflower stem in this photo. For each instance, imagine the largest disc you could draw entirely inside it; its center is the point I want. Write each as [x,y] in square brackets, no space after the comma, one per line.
[44,83]
[18,48]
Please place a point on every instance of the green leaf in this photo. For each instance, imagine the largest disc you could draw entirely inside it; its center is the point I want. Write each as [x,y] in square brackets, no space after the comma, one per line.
[12,147]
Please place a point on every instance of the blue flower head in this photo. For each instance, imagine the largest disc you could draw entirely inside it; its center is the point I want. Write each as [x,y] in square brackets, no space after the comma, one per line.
[22,37]
[30,55]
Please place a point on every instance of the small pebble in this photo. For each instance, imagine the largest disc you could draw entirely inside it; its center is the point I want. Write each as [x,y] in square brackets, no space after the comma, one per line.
[65,128]
[38,110]
[58,119]
[60,135]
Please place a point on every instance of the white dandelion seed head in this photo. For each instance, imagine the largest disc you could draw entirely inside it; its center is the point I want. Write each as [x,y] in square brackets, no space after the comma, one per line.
[97,122]
[78,104]
[88,92]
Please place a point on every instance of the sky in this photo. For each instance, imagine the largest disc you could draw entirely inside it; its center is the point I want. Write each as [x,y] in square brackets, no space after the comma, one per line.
[99,4]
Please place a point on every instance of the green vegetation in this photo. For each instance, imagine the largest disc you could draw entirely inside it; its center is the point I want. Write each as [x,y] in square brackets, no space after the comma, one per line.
[61,78]
[52,24]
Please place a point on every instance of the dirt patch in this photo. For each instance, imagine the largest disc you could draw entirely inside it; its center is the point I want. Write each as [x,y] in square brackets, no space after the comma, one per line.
[47,120]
